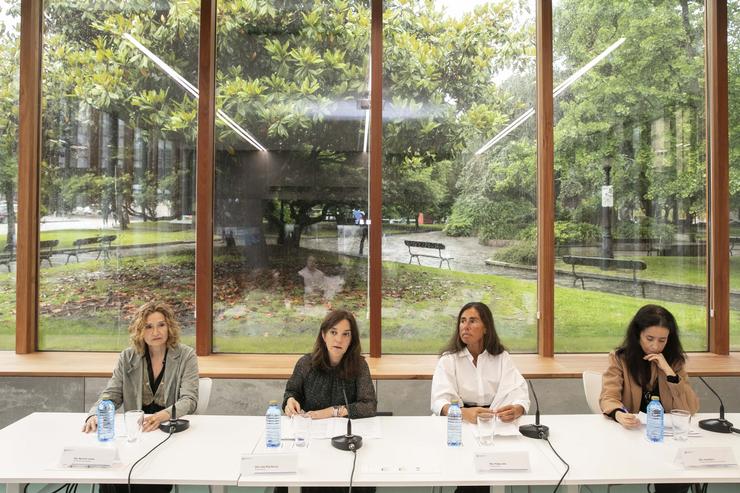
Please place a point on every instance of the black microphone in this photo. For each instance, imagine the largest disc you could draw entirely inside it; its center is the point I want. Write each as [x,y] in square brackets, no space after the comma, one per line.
[720,425]
[536,430]
[175,424]
[349,441]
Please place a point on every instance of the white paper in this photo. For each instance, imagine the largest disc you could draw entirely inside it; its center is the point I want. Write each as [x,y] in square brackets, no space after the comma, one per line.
[706,456]
[501,460]
[668,428]
[280,462]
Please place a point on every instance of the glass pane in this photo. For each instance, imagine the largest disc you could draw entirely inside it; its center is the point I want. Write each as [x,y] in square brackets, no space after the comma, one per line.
[733,70]
[9,64]
[629,169]
[459,160]
[291,172]
[117,177]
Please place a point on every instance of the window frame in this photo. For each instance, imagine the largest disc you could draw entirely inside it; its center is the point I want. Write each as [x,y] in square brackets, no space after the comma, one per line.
[29,155]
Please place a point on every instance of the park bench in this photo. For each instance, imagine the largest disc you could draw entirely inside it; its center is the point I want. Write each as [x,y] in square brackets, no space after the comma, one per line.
[734,240]
[8,255]
[606,263]
[99,244]
[46,250]
[427,245]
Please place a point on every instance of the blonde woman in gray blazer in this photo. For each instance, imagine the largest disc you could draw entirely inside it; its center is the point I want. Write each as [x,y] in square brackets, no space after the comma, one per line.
[148,371]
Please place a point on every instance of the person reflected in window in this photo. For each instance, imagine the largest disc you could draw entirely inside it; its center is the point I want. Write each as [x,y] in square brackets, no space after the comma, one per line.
[335,365]
[475,368]
[650,361]
[146,375]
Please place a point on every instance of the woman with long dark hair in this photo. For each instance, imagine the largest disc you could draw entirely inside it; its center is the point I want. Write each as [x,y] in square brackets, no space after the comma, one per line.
[650,362]
[475,369]
[335,366]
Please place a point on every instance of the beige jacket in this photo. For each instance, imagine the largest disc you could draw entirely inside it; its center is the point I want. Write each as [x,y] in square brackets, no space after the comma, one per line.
[618,389]
[124,387]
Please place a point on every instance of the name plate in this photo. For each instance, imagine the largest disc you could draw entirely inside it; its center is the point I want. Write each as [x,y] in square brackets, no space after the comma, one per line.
[277,463]
[88,456]
[706,456]
[497,461]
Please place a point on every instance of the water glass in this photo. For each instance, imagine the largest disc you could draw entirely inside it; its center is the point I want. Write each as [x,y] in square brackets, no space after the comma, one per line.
[134,421]
[680,421]
[485,428]
[301,429]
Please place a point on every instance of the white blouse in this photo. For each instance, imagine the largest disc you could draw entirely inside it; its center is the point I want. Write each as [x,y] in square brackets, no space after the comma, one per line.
[495,381]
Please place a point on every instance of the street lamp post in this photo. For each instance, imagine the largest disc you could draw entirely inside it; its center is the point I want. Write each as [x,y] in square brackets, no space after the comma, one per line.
[607,203]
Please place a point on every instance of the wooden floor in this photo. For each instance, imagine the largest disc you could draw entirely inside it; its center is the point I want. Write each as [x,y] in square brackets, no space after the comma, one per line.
[390,367]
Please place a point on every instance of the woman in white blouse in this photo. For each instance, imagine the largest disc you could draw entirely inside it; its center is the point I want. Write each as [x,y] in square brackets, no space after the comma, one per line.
[475,369]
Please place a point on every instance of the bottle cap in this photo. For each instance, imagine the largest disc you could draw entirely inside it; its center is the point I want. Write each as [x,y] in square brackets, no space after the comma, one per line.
[273,403]
[655,398]
[455,401]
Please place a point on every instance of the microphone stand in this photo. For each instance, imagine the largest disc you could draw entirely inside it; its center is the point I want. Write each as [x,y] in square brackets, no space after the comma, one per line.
[536,430]
[175,424]
[716,425]
[348,441]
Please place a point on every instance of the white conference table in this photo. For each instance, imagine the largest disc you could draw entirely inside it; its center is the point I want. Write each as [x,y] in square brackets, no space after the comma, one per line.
[397,451]
[601,451]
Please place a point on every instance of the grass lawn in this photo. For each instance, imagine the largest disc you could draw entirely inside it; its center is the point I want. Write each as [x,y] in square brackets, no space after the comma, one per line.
[87,306]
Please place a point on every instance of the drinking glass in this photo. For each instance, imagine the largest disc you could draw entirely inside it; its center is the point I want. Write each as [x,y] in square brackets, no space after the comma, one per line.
[485,428]
[680,421]
[301,429]
[134,421]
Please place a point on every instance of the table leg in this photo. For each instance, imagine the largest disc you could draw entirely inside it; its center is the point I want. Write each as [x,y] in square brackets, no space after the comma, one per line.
[573,488]
[294,489]
[14,487]
[498,489]
[217,488]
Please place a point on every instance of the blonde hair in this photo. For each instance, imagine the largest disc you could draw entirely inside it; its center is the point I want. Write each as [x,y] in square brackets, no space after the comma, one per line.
[136,329]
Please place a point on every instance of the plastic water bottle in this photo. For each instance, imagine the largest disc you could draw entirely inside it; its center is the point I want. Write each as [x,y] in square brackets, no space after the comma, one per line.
[272,426]
[106,413]
[655,420]
[454,425]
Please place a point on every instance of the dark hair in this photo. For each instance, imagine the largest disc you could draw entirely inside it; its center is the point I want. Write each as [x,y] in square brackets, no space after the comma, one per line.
[349,366]
[491,342]
[631,350]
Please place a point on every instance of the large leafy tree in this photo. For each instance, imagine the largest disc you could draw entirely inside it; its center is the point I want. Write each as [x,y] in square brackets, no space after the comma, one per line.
[640,111]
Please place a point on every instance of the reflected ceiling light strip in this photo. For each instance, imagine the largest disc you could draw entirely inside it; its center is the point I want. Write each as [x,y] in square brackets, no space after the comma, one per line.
[367,112]
[193,91]
[557,92]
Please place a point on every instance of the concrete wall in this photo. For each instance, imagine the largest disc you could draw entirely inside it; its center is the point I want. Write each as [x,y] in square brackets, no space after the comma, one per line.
[21,396]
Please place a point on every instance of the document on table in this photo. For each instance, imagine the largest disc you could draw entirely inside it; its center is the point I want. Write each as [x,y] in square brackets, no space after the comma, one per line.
[501,429]
[667,425]
[331,427]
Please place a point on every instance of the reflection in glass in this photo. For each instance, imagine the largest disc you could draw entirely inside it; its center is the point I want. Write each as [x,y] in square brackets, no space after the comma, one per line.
[290,199]
[9,63]
[117,189]
[629,170]
[459,194]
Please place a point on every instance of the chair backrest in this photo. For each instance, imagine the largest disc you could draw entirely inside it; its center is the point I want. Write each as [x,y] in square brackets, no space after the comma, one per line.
[204,394]
[592,389]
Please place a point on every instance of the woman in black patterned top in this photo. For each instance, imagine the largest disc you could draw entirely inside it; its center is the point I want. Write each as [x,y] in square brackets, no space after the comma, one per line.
[334,365]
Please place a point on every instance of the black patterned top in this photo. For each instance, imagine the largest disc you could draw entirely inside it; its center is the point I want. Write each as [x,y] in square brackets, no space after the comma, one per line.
[316,389]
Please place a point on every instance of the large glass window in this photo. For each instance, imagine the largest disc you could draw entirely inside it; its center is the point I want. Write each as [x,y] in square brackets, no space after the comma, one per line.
[291,172]
[629,168]
[117,171]
[9,62]
[733,71]
[459,161]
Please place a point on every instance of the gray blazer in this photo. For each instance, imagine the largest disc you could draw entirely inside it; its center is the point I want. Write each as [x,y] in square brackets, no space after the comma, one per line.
[124,387]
